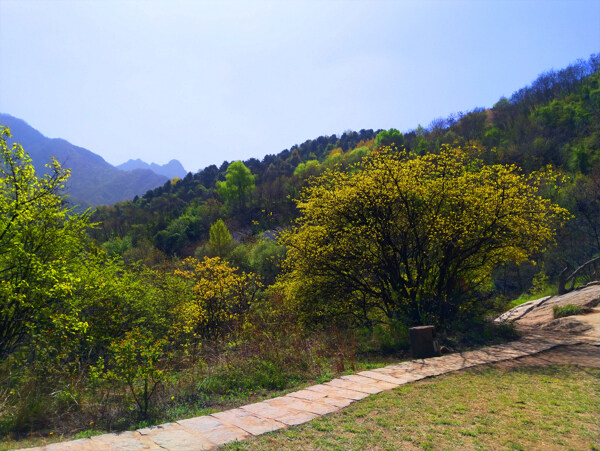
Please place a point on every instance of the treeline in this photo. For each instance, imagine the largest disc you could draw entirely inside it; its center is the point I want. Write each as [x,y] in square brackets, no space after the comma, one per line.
[176,217]
[553,121]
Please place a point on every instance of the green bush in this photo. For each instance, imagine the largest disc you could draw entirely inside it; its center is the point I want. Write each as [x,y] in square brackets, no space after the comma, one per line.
[384,339]
[137,362]
[246,377]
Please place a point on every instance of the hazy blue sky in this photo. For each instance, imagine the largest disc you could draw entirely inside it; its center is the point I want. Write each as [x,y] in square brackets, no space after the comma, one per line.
[207,81]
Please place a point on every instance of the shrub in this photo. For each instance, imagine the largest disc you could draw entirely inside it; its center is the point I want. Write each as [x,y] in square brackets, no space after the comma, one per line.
[138,362]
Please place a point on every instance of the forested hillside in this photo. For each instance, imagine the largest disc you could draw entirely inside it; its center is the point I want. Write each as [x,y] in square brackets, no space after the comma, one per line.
[554,121]
[176,217]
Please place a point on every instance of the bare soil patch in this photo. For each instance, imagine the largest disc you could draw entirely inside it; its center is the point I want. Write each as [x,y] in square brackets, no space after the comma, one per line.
[584,355]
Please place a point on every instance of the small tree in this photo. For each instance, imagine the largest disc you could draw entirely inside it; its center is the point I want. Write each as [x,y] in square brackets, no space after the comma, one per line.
[136,361]
[220,297]
[411,238]
[238,184]
[220,239]
[391,137]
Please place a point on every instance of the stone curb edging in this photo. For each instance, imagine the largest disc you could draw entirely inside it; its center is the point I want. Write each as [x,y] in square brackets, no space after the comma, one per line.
[210,431]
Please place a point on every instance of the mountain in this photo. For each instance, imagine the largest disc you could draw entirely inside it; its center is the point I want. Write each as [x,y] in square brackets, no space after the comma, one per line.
[172,169]
[93,181]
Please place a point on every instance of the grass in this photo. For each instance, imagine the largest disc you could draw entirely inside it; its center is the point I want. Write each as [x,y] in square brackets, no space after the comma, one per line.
[562,311]
[264,366]
[549,290]
[554,407]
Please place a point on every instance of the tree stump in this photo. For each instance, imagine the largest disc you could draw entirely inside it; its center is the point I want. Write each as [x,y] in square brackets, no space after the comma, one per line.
[422,343]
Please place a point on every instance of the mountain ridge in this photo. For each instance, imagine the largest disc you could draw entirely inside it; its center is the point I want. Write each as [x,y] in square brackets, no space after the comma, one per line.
[172,169]
[93,180]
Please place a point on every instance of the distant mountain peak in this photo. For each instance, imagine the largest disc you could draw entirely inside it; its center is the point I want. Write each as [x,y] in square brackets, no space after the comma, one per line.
[172,169]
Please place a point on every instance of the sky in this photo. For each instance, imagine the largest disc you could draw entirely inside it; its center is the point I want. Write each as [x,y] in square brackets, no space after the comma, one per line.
[212,81]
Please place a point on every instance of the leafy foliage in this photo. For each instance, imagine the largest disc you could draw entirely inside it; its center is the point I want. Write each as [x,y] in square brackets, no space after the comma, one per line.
[220,238]
[41,240]
[411,237]
[389,138]
[220,298]
[238,184]
[263,257]
[384,239]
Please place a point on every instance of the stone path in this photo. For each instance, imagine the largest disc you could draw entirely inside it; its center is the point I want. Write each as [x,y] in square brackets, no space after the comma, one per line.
[211,431]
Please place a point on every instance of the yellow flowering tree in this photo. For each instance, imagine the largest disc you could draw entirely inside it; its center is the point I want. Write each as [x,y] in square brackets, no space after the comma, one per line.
[220,297]
[411,238]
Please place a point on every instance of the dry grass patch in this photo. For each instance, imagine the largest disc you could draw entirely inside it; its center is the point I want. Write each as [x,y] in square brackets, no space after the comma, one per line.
[554,407]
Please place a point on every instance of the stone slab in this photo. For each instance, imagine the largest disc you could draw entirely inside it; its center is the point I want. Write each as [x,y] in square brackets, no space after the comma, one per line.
[428,370]
[482,356]
[322,397]
[337,402]
[309,395]
[370,381]
[291,402]
[349,385]
[125,441]
[393,370]
[83,444]
[338,392]
[401,376]
[374,374]
[214,430]
[532,347]
[410,377]
[507,353]
[289,417]
[174,437]
[201,425]
[250,423]
[405,366]
[414,372]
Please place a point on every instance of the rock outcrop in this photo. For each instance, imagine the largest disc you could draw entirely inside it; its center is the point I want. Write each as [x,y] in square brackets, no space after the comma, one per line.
[539,315]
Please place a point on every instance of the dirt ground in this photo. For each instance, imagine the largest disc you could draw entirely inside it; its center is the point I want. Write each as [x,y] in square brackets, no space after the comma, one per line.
[536,317]
[585,355]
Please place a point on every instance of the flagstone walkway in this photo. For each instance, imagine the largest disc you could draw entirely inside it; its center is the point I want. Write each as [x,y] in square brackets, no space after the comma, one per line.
[211,431]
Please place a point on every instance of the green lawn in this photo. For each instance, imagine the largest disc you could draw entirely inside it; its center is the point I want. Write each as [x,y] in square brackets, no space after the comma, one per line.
[555,407]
